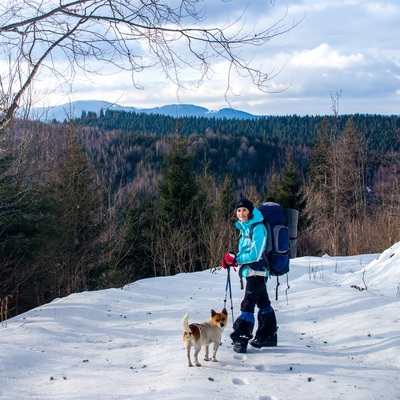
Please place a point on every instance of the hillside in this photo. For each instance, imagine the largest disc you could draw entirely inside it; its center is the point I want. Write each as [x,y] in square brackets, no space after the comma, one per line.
[76,108]
[335,342]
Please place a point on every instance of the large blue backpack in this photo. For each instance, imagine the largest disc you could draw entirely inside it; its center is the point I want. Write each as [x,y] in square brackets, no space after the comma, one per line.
[278,246]
[277,252]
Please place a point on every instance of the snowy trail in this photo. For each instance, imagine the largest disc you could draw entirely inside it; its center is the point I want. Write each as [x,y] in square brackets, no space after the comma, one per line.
[335,342]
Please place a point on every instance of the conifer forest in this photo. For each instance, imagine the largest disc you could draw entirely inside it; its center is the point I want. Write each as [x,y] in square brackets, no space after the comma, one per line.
[105,199]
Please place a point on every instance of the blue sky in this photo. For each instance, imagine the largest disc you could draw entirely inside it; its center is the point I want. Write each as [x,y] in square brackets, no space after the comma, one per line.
[348,47]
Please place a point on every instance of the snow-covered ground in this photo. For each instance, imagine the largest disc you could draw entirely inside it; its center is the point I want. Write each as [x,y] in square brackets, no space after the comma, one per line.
[335,341]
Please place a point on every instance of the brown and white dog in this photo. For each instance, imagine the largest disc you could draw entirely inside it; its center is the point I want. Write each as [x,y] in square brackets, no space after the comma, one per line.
[203,334]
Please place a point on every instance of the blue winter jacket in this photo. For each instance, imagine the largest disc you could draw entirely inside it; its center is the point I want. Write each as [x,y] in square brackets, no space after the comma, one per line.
[251,250]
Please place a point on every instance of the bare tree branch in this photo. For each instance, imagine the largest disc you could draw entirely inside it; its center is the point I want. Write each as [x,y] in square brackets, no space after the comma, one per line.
[128,35]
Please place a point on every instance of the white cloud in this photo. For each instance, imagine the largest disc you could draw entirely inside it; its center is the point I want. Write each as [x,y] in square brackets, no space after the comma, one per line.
[324,56]
[351,45]
[382,8]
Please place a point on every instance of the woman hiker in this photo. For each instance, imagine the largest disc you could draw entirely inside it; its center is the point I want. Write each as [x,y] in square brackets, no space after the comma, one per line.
[251,261]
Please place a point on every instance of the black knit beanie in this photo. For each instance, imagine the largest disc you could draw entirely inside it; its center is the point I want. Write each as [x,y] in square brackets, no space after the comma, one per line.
[246,204]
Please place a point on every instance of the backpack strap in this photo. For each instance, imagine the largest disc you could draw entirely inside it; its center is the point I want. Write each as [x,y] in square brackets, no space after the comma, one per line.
[264,254]
[252,229]
[251,237]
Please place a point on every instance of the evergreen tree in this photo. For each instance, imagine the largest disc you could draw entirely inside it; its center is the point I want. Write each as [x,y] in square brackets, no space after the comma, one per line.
[131,256]
[205,217]
[318,170]
[337,193]
[175,244]
[24,227]
[225,207]
[179,188]
[75,253]
[287,190]
[221,232]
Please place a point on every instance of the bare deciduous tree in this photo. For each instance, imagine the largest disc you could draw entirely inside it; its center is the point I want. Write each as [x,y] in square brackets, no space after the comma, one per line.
[36,37]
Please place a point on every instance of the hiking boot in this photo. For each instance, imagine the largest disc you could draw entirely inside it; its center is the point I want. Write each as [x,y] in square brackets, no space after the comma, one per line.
[270,341]
[240,345]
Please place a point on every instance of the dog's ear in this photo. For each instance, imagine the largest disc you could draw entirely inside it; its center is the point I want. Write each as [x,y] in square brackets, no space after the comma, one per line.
[213,313]
[224,311]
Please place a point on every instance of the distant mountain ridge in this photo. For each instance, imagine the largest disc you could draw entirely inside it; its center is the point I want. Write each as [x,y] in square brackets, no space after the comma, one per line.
[75,109]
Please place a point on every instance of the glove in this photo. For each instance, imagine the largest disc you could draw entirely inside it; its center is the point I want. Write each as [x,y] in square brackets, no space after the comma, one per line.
[229,260]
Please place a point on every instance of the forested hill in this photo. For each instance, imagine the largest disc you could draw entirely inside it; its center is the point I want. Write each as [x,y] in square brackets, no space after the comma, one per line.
[381,132]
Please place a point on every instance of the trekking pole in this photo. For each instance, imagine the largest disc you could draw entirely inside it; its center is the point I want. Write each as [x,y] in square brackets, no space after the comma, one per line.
[228,285]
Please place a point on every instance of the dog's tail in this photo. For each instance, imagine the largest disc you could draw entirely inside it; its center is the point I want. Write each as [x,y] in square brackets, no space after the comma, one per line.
[185,323]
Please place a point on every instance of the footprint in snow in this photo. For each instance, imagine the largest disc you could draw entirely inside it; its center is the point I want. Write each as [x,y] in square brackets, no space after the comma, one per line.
[240,382]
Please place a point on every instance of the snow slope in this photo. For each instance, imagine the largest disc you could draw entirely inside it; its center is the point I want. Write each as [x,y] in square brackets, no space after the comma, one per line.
[335,341]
